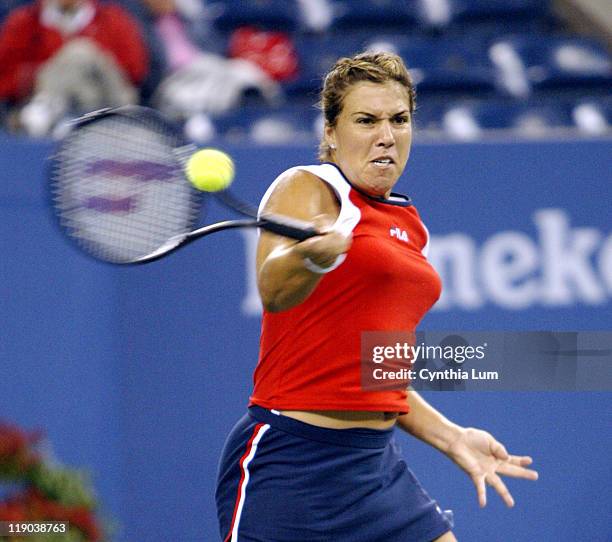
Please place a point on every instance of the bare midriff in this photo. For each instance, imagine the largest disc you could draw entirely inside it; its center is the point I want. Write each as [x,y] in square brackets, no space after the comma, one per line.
[343,419]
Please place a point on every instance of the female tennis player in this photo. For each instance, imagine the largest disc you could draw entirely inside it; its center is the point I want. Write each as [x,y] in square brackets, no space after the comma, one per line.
[315,458]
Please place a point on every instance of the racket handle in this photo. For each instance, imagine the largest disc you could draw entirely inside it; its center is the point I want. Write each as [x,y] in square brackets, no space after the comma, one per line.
[287,227]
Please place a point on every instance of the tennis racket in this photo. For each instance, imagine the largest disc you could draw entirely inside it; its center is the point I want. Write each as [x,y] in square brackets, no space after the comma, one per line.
[119,191]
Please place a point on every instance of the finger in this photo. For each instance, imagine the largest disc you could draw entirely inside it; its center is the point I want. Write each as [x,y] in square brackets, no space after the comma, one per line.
[497,483]
[327,262]
[522,460]
[314,246]
[481,490]
[525,460]
[340,240]
[323,223]
[499,451]
[516,471]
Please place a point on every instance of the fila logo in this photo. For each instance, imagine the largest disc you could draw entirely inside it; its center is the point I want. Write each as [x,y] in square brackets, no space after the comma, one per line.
[402,235]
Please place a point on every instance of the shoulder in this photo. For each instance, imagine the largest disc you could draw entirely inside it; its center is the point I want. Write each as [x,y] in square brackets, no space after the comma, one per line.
[299,179]
[300,187]
[296,183]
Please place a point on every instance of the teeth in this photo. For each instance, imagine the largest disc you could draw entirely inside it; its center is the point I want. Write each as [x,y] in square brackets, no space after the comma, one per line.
[386,161]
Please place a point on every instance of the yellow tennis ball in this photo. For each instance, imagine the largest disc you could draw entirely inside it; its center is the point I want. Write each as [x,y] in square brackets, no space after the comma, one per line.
[210,170]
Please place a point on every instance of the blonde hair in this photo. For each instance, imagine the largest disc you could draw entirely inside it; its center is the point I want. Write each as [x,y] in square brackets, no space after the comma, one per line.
[374,67]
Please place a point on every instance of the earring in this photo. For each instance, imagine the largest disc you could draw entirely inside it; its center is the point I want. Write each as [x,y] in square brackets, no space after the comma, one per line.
[332,146]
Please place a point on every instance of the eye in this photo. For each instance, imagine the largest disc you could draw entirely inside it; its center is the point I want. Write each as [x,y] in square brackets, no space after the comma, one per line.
[401,119]
[365,120]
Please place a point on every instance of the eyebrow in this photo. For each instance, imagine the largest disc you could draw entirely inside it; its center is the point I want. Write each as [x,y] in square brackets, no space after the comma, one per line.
[402,112]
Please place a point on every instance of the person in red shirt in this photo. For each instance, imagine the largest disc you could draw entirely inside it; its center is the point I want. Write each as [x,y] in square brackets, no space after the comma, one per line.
[69,55]
[315,458]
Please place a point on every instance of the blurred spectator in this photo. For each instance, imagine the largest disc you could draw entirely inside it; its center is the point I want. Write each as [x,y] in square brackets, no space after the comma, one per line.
[273,52]
[69,56]
[200,82]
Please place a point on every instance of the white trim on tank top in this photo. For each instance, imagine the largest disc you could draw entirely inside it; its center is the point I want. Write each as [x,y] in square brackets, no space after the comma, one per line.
[349,215]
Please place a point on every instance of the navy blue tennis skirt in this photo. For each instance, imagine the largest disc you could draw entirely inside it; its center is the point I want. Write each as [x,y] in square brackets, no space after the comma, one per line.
[281,480]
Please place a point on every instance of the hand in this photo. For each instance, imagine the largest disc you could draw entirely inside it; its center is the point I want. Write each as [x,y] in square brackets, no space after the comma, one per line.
[483,459]
[323,249]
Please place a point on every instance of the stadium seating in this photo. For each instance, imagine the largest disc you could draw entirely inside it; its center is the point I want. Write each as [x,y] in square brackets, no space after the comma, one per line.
[316,55]
[288,124]
[552,62]
[465,69]
[268,14]
[532,117]
[436,64]
[489,64]
[505,11]
[593,116]
[451,64]
[486,17]
[374,14]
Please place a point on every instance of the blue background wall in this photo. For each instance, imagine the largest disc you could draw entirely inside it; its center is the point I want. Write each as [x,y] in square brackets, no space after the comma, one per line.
[139,373]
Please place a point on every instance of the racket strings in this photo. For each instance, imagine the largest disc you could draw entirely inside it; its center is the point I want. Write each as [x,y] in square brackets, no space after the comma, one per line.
[119,187]
[112,185]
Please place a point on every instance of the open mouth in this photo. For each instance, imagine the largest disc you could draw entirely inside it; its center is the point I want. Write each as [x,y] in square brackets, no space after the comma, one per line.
[382,162]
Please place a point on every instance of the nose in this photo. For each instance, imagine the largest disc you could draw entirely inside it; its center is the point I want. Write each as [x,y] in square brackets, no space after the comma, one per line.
[385,136]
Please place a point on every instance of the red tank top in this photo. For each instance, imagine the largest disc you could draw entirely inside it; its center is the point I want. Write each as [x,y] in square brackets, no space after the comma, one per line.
[310,354]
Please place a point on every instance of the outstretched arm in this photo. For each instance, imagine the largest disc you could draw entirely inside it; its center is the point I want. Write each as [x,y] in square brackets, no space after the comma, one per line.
[482,457]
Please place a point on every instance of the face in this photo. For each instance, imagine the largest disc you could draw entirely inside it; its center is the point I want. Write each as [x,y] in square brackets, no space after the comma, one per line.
[372,136]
